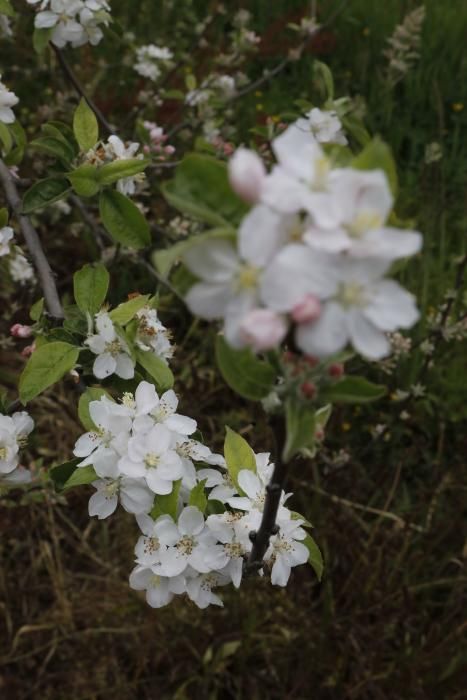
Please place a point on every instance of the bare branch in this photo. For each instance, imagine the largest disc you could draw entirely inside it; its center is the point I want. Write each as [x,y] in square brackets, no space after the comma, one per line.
[45,274]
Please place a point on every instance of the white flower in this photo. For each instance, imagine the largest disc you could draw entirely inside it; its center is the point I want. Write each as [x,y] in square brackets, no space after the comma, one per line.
[190,543]
[199,588]
[285,551]
[236,545]
[115,149]
[189,451]
[8,100]
[221,484]
[5,28]
[6,236]
[20,269]
[112,351]
[247,174]
[74,22]
[103,447]
[13,435]
[150,456]
[152,335]
[149,59]
[254,487]
[159,589]
[150,409]
[326,126]
[364,201]
[18,476]
[148,547]
[134,496]
[263,329]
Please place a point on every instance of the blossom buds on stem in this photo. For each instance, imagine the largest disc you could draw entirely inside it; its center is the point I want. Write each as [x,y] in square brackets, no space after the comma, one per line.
[20,331]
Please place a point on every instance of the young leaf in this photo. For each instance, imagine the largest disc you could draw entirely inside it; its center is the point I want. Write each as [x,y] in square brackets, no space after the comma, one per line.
[315,558]
[201,188]
[92,393]
[124,312]
[6,137]
[123,220]
[47,365]
[53,147]
[244,372]
[6,8]
[354,390]
[238,455]
[112,172]
[167,505]
[36,310]
[377,156]
[300,428]
[80,477]
[62,473]
[198,496]
[84,180]
[45,192]
[157,368]
[41,38]
[85,126]
[90,285]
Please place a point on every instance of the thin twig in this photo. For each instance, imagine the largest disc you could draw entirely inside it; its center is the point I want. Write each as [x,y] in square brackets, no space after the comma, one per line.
[45,274]
[80,90]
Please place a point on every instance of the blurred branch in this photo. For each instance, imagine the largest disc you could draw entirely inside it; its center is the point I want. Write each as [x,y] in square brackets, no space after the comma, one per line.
[45,274]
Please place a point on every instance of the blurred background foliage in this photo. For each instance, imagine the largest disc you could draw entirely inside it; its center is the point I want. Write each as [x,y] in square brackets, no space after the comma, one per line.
[387,494]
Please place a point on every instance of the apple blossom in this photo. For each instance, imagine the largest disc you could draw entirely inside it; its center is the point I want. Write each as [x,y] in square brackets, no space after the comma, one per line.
[13,435]
[286,550]
[8,100]
[113,355]
[159,589]
[133,494]
[247,174]
[325,126]
[6,236]
[115,149]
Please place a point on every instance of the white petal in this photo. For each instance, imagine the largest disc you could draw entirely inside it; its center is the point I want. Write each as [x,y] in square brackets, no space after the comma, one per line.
[104,365]
[262,233]
[191,521]
[125,367]
[250,483]
[368,340]
[325,336]
[212,261]
[101,505]
[209,300]
[391,307]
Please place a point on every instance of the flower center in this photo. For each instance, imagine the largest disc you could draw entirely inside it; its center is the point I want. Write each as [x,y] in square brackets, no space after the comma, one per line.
[151,545]
[295,232]
[152,460]
[3,452]
[351,294]
[186,545]
[111,489]
[234,549]
[155,581]
[322,169]
[114,348]
[282,546]
[364,221]
[247,278]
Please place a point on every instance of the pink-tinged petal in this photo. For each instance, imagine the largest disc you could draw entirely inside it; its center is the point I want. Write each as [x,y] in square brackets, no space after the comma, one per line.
[325,336]
[368,340]
[246,174]
[209,300]
[101,505]
[391,307]
[191,521]
[212,261]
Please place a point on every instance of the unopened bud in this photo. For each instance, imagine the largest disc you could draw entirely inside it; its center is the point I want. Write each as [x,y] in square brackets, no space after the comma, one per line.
[20,331]
[308,309]
[247,174]
[336,370]
[74,375]
[263,329]
[28,350]
[319,434]
[308,390]
[311,361]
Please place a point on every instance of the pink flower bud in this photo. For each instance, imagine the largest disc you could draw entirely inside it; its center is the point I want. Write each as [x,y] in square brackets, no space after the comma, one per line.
[146,149]
[20,331]
[170,150]
[247,174]
[336,370]
[262,329]
[308,390]
[28,350]
[308,309]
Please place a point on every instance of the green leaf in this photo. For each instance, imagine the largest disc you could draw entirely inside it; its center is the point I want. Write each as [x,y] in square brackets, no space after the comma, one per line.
[63,472]
[45,192]
[167,505]
[80,477]
[322,72]
[57,132]
[6,8]
[353,390]
[238,455]
[6,137]
[201,188]
[3,217]
[198,496]
[85,126]
[41,38]
[36,310]
[377,156]
[244,372]
[124,312]
[166,258]
[92,393]
[84,180]
[90,285]
[300,428]
[47,365]
[157,368]
[112,172]
[123,220]
[53,147]
[315,558]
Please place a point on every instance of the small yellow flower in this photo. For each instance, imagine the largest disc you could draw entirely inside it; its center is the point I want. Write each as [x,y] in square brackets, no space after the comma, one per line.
[457,106]
[346,427]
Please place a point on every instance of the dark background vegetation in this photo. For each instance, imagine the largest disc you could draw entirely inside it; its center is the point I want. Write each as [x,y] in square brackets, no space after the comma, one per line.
[388,620]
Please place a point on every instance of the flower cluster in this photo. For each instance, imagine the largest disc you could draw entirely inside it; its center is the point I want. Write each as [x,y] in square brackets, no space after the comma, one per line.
[8,100]
[112,347]
[142,449]
[312,254]
[74,22]
[14,431]
[19,268]
[157,139]
[150,59]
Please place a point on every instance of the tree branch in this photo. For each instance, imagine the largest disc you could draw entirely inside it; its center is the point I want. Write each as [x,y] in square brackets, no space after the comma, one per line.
[80,90]
[45,274]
